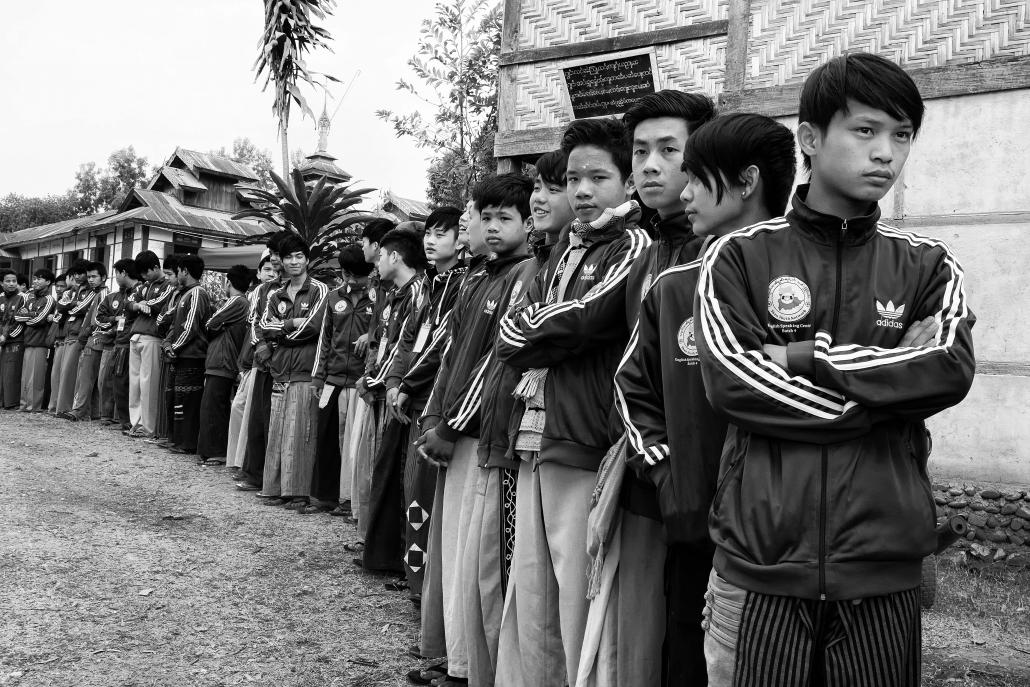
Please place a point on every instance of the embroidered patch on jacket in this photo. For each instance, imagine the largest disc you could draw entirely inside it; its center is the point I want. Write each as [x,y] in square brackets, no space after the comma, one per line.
[491,306]
[340,307]
[515,292]
[685,338]
[282,307]
[789,299]
[646,286]
[588,272]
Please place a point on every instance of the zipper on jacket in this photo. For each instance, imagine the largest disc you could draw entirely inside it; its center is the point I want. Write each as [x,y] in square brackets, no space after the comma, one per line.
[823,467]
[822,529]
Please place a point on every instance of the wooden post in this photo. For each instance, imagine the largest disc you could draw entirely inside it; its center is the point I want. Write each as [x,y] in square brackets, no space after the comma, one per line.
[736,44]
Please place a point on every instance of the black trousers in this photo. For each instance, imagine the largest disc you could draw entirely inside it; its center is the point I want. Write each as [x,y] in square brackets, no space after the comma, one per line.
[166,401]
[384,538]
[257,429]
[687,567]
[215,405]
[187,392]
[325,478]
[120,383]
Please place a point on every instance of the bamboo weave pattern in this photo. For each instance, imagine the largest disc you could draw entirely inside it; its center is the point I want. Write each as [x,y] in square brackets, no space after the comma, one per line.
[788,38]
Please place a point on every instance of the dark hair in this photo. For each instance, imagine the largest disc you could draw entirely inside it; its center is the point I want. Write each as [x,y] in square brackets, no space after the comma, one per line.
[193,264]
[146,261]
[353,260]
[98,267]
[727,145]
[239,277]
[375,230]
[606,134]
[261,263]
[275,239]
[79,267]
[694,108]
[127,265]
[172,261]
[865,78]
[294,243]
[22,279]
[503,191]
[5,272]
[408,243]
[44,273]
[551,167]
[445,217]
[60,279]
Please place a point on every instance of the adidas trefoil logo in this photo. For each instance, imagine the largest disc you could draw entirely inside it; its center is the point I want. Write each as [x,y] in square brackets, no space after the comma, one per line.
[491,306]
[890,314]
[588,271]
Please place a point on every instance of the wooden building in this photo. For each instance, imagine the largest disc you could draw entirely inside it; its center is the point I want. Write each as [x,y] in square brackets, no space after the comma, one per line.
[967,181]
[188,204]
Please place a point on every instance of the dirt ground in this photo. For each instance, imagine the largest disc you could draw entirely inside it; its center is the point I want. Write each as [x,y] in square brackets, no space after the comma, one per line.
[121,564]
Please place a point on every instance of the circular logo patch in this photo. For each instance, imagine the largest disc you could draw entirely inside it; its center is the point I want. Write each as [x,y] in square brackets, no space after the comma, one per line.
[114,304]
[341,306]
[372,295]
[386,313]
[685,338]
[789,299]
[282,307]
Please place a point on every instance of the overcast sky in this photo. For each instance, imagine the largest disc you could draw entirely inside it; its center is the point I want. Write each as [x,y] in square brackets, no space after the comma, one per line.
[81,79]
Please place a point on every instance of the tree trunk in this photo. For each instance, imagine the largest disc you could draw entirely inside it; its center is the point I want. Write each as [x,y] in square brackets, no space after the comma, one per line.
[286,153]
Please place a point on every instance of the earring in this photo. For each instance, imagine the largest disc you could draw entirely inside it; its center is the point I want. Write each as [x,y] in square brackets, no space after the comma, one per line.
[743,194]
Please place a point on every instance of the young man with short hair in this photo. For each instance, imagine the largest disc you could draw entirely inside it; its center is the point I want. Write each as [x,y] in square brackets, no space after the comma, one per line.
[252,472]
[746,163]
[77,313]
[185,346]
[115,311]
[572,335]
[86,399]
[152,293]
[409,380]
[12,348]
[289,331]
[36,316]
[239,414]
[338,366]
[75,284]
[402,262]
[822,517]
[226,331]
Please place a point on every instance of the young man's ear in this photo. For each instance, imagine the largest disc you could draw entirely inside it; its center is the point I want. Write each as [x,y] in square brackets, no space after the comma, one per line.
[750,178]
[809,138]
[630,186]
[527,224]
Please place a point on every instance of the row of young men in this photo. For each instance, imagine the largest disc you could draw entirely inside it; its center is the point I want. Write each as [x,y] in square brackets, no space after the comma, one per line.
[150,358]
[691,452]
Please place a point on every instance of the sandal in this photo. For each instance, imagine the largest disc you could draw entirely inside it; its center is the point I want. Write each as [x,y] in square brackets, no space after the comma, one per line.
[355,547]
[397,586]
[425,676]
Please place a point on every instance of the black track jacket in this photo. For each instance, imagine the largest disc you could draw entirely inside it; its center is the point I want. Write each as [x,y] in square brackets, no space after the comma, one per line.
[823,492]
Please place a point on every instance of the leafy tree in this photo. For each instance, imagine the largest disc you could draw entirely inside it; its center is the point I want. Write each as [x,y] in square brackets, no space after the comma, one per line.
[288,36]
[87,188]
[245,152]
[456,62]
[97,190]
[20,212]
[323,215]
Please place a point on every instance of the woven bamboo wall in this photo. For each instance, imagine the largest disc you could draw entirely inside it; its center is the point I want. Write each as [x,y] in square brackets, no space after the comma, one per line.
[544,23]
[788,38]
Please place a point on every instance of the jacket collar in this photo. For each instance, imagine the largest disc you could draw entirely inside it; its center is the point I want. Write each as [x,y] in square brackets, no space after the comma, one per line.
[495,264]
[825,228]
[610,225]
[674,230]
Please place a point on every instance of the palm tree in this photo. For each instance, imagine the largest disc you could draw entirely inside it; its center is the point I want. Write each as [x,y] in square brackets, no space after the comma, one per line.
[323,215]
[288,36]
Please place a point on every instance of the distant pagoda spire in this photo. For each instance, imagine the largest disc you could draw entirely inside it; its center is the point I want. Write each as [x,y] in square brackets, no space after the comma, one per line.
[323,130]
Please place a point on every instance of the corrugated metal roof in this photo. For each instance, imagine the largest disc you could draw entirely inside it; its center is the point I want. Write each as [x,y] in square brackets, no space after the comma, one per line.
[179,178]
[416,209]
[322,163]
[213,163]
[151,206]
[162,208]
[47,232]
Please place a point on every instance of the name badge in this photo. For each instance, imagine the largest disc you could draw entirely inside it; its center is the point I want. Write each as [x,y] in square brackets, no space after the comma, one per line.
[423,337]
[121,324]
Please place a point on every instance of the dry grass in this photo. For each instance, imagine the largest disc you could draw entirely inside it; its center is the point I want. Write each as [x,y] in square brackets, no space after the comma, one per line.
[132,567]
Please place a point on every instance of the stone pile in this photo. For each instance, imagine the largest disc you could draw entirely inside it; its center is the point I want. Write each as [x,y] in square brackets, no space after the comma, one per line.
[998,516]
